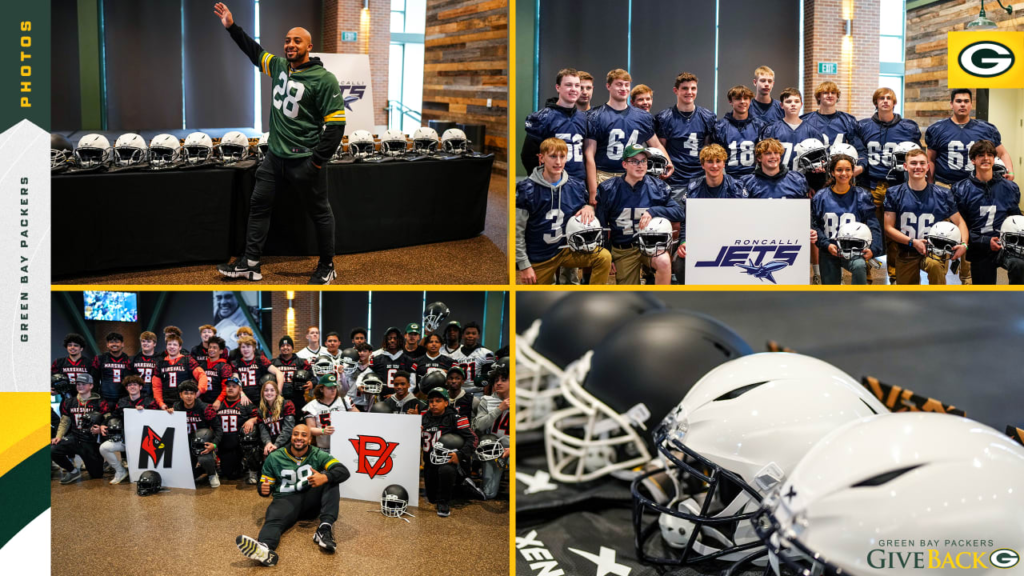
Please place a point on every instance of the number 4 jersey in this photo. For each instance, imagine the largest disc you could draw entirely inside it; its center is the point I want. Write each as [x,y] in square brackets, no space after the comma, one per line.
[288,474]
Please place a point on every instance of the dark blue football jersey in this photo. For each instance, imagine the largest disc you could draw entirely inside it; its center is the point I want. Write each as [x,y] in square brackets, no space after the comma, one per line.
[789,137]
[569,125]
[984,205]
[837,128]
[549,208]
[881,139]
[767,113]
[685,134]
[738,137]
[829,211]
[614,130]
[620,206]
[785,184]
[917,211]
[951,143]
[730,188]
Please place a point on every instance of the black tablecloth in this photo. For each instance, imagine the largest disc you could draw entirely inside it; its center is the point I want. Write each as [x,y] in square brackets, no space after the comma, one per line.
[115,221]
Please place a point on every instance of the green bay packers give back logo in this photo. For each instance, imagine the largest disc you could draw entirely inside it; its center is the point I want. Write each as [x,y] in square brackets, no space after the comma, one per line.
[985,59]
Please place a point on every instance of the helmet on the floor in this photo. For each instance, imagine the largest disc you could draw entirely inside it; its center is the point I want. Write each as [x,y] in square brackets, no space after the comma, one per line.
[149,483]
[394,501]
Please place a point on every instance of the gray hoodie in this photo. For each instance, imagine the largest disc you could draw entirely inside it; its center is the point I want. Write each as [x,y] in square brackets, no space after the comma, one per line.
[522,261]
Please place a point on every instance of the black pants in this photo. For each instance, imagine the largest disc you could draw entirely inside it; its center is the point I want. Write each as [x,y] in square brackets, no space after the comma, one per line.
[230,461]
[306,185]
[64,452]
[439,481]
[284,511]
[985,265]
[208,463]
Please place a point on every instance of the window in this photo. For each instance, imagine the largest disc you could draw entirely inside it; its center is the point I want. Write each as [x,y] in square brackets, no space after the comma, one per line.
[891,29]
[405,75]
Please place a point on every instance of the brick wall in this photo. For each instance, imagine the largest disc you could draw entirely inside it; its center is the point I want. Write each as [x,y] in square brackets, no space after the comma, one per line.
[307,313]
[857,57]
[465,64]
[374,28]
[926,89]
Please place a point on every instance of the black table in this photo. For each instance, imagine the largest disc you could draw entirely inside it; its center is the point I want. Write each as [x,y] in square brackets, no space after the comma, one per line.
[130,220]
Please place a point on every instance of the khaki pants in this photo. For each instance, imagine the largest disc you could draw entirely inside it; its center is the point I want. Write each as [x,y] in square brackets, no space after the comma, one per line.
[965,266]
[628,263]
[602,176]
[909,266]
[600,261]
[888,247]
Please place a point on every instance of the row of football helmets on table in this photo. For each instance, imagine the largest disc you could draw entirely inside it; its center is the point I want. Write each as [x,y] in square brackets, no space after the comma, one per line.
[164,150]
[362,144]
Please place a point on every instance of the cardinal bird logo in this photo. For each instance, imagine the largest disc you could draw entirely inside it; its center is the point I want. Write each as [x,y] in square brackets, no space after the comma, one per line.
[154,446]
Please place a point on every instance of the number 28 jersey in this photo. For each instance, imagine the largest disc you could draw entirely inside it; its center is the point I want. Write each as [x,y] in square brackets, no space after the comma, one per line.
[289,475]
[302,101]
[614,130]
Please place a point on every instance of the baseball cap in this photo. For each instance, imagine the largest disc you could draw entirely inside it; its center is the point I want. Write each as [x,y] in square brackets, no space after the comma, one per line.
[232,381]
[633,150]
[329,380]
[413,328]
[83,378]
[438,392]
[459,370]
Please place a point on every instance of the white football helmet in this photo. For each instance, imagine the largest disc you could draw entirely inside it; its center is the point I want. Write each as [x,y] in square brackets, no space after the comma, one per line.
[130,149]
[93,150]
[585,238]
[852,238]
[657,162]
[998,167]
[393,143]
[844,149]
[887,476]
[1011,235]
[656,238]
[490,448]
[360,144]
[942,239]
[454,141]
[233,147]
[371,383]
[198,148]
[898,156]
[264,146]
[734,439]
[424,140]
[322,367]
[810,154]
[164,151]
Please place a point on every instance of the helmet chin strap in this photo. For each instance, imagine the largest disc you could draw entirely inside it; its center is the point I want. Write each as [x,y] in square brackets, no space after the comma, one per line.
[710,540]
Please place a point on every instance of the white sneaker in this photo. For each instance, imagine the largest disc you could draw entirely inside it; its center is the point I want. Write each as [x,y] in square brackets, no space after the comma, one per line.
[119,477]
[256,550]
[214,481]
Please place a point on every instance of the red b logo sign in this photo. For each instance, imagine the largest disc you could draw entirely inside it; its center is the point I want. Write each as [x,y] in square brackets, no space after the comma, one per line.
[380,450]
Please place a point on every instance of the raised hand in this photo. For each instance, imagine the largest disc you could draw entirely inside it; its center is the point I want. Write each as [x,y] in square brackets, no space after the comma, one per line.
[224,14]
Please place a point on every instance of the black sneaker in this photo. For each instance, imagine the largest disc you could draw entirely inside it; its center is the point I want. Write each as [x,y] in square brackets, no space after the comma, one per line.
[255,550]
[474,490]
[325,538]
[240,269]
[443,510]
[323,274]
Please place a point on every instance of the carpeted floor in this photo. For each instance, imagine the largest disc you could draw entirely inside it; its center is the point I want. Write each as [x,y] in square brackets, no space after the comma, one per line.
[99,529]
[480,260]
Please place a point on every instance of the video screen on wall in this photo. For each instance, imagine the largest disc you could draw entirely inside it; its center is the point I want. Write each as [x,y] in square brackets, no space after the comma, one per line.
[111,306]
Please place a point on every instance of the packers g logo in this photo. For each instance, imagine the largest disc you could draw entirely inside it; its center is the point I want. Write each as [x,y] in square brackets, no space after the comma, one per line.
[1004,558]
[986,59]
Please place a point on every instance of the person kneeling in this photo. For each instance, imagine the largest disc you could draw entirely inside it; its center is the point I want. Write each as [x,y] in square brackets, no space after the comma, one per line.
[844,224]
[448,440]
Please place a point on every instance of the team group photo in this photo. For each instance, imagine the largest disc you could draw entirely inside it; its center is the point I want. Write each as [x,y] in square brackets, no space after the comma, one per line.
[288,416]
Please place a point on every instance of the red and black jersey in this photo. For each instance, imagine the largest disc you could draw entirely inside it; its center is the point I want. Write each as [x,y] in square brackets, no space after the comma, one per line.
[271,428]
[111,370]
[126,402]
[288,367]
[201,354]
[216,372]
[236,354]
[425,362]
[72,368]
[232,416]
[76,410]
[463,405]
[249,374]
[170,374]
[145,366]
[200,415]
[433,427]
[386,364]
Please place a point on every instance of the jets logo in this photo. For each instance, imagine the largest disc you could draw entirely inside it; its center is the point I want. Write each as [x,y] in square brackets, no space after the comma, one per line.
[758,259]
[375,447]
[986,59]
[355,93]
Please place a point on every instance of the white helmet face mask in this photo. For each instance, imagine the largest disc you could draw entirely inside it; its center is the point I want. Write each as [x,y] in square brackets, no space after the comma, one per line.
[734,438]
[360,144]
[892,475]
[323,367]
[393,143]
[372,385]
[93,150]
[811,154]
[657,163]
[1011,235]
[896,159]
[440,455]
[537,382]
[264,146]
[198,148]
[233,147]
[454,141]
[656,238]
[164,151]
[489,449]
[852,239]
[584,238]
[130,149]
[425,140]
[942,239]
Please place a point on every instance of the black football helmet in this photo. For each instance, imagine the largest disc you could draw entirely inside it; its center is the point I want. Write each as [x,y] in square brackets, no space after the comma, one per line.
[441,453]
[433,379]
[434,315]
[627,385]
[381,407]
[394,501]
[499,368]
[149,483]
[60,384]
[199,440]
[302,376]
[251,437]
[91,419]
[569,328]
[115,430]
[62,153]
[267,378]
[371,383]
[532,305]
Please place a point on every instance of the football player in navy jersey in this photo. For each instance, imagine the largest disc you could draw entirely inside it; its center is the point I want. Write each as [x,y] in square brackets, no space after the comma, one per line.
[737,132]
[771,178]
[611,129]
[763,107]
[642,97]
[791,130]
[881,134]
[627,204]
[835,126]
[544,203]
[911,209]
[559,120]
[586,91]
[984,201]
[684,129]
[842,202]
[950,140]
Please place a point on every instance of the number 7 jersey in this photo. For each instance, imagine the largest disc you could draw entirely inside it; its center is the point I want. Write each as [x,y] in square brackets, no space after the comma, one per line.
[302,102]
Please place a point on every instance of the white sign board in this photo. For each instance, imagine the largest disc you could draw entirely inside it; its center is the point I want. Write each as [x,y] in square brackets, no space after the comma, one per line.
[379,450]
[748,241]
[156,440]
[354,82]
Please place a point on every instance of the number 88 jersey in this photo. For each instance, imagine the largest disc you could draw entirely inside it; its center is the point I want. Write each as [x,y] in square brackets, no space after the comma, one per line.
[302,101]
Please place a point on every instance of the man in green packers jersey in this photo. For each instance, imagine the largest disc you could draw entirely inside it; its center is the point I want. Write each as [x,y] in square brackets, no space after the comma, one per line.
[306,99]
[303,480]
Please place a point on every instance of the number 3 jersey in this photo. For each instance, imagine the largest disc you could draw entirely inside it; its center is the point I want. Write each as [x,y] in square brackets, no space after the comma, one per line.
[952,142]
[614,130]
[567,124]
[324,413]
[288,474]
[621,206]
[546,208]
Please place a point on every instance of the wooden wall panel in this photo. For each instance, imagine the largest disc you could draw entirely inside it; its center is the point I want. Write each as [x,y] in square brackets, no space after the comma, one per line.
[465,63]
